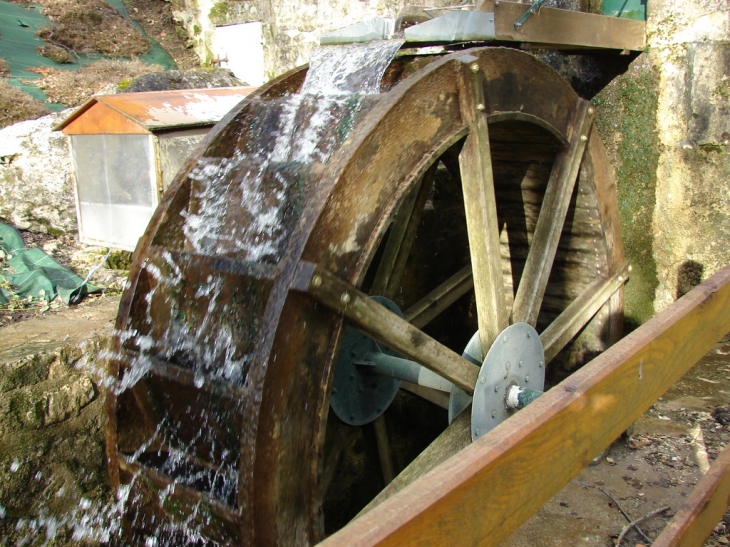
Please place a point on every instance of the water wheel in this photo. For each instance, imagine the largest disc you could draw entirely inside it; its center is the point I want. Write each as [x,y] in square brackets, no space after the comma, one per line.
[471,192]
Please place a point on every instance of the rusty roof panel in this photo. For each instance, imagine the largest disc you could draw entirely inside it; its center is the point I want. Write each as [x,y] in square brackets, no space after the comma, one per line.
[158,110]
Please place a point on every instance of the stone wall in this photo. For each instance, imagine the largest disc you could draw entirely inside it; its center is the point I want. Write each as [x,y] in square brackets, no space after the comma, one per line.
[690,48]
[291,30]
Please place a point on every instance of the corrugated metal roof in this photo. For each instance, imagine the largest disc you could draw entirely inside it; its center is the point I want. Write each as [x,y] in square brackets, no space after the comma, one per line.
[158,110]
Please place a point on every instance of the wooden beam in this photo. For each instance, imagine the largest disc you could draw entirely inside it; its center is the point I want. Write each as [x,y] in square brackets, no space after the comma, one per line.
[576,316]
[698,516]
[377,321]
[483,494]
[435,302]
[550,223]
[480,205]
[567,28]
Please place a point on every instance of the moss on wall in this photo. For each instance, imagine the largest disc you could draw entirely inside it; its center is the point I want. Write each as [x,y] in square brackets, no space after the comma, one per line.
[627,122]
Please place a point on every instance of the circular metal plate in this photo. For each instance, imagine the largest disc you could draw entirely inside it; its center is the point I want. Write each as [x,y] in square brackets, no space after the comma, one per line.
[515,358]
[359,396]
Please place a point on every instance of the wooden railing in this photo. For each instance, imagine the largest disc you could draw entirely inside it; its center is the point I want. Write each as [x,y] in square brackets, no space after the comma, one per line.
[486,491]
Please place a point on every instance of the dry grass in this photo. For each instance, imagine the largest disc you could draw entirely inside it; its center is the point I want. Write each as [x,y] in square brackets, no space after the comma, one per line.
[74,87]
[17,106]
[87,26]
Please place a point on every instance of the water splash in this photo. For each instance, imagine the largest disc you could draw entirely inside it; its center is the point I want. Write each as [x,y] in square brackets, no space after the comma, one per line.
[245,206]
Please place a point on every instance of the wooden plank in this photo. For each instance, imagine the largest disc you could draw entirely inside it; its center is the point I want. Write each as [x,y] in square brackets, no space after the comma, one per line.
[377,321]
[558,27]
[480,205]
[431,305]
[698,516]
[569,323]
[550,223]
[492,486]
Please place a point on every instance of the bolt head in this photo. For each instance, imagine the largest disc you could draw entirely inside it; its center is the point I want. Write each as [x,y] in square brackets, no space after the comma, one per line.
[477,432]
[591,110]
[527,378]
[494,413]
[482,379]
[345,298]
[316,281]
[583,138]
[474,67]
[540,364]
[521,361]
[496,388]
[480,106]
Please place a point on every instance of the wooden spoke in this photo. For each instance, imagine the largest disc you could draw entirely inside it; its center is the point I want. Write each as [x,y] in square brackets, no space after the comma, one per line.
[569,323]
[377,321]
[403,232]
[480,205]
[435,396]
[386,459]
[549,226]
[455,438]
[431,305]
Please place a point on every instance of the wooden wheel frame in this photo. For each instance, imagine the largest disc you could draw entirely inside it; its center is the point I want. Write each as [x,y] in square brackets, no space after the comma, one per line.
[238,457]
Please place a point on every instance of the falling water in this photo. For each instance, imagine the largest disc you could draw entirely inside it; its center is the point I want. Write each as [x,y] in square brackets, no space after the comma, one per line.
[243,206]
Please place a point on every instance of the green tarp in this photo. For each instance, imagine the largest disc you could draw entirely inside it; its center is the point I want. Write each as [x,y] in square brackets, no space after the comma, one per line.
[32,273]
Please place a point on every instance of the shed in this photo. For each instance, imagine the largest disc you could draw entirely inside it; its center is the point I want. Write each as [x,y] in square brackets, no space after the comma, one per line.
[127,148]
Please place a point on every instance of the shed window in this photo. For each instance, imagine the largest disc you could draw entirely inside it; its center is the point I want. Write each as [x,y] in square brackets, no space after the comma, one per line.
[116,188]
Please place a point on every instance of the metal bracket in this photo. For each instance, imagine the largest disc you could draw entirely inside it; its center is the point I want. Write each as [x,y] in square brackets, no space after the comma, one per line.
[533,9]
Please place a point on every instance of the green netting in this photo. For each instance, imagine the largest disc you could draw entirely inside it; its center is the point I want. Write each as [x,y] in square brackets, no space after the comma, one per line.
[18,45]
[31,273]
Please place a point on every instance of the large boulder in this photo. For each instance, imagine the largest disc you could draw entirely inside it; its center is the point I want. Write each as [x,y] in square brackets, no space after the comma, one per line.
[181,79]
[36,176]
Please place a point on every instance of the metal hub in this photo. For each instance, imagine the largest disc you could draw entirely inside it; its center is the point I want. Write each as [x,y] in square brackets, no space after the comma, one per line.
[359,396]
[516,358]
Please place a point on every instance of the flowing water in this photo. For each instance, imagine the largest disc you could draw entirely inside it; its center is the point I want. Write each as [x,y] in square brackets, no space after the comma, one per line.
[244,207]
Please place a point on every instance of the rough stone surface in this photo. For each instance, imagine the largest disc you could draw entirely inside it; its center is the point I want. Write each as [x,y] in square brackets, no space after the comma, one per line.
[53,480]
[690,49]
[181,79]
[291,30]
[36,180]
